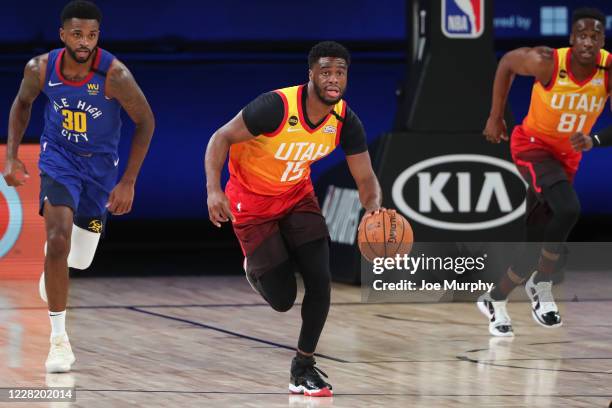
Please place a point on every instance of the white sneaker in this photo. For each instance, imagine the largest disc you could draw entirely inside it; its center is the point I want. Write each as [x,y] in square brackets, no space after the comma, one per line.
[60,357]
[543,307]
[495,310]
[42,290]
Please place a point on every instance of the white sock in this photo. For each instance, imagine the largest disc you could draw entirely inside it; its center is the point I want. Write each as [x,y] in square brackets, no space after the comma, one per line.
[58,323]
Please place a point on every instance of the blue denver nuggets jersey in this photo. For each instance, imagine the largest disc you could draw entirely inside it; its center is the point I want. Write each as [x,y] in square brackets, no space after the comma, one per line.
[78,116]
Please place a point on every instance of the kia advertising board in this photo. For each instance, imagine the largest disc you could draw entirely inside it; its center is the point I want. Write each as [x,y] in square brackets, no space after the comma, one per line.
[453,187]
[459,192]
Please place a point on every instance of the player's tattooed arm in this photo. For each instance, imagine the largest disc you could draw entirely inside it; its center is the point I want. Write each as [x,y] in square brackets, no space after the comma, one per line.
[234,131]
[15,171]
[121,85]
[537,62]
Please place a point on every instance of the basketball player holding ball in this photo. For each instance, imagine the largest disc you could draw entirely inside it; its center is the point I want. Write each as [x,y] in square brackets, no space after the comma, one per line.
[270,197]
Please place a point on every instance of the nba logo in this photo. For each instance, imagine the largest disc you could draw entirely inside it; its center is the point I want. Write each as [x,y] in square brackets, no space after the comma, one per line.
[463,18]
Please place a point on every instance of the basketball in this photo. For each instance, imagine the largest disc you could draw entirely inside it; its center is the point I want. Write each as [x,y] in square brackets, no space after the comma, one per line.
[384,235]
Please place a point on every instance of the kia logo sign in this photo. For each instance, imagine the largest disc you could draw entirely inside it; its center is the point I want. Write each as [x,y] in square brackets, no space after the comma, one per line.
[11,217]
[460,192]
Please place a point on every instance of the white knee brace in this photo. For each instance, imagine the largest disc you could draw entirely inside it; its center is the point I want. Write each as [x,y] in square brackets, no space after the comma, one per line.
[83,246]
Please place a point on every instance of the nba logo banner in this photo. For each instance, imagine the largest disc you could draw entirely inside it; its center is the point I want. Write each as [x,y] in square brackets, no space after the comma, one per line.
[463,18]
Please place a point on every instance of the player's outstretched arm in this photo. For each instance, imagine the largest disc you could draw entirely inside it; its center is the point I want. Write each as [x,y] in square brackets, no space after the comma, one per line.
[370,194]
[234,131]
[121,85]
[537,62]
[19,117]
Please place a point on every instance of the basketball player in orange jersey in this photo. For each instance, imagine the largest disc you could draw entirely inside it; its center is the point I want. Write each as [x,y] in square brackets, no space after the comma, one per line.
[270,199]
[570,91]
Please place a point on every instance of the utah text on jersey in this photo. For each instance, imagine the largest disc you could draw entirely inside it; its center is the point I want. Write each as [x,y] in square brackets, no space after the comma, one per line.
[271,164]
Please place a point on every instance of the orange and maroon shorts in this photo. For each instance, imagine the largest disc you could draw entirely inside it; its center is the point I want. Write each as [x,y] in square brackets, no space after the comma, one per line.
[269,228]
[540,164]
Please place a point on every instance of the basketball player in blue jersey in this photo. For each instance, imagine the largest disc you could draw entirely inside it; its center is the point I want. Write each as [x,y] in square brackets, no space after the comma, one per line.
[86,88]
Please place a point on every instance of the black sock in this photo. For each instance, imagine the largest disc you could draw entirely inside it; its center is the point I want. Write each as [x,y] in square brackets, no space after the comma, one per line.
[505,285]
[546,268]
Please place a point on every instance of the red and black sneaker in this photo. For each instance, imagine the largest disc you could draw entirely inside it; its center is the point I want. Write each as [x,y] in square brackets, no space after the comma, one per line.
[306,378]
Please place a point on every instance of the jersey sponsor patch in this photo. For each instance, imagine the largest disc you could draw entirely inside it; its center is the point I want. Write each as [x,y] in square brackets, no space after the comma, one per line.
[93,89]
[329,129]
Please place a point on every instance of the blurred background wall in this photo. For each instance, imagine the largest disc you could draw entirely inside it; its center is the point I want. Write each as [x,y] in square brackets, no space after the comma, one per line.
[200,62]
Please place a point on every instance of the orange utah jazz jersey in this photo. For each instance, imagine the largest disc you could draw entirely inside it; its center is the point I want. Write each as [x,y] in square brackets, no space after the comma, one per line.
[271,164]
[566,105]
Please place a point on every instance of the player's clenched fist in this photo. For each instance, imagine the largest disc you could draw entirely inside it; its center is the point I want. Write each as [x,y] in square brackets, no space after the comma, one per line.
[581,142]
[495,130]
[15,173]
[219,208]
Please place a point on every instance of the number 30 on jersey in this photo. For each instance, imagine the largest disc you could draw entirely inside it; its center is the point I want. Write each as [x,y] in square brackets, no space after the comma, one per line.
[75,121]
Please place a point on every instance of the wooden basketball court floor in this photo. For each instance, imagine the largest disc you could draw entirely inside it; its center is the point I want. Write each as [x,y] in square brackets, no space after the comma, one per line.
[211,342]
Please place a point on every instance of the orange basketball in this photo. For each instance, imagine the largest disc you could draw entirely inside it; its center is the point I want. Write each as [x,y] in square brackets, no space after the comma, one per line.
[384,235]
